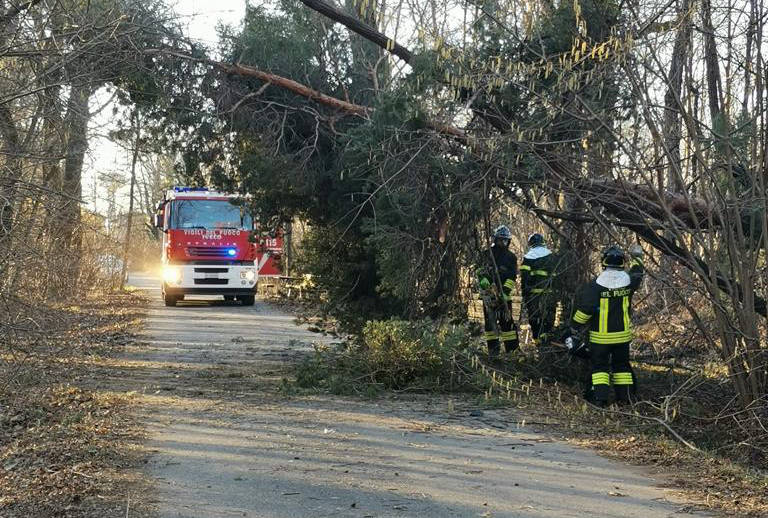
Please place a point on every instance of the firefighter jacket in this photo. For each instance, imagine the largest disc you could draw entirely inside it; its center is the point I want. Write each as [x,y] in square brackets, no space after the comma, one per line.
[505,262]
[537,271]
[604,304]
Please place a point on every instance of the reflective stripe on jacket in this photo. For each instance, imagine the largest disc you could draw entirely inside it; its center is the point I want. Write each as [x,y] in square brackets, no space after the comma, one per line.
[537,273]
[505,263]
[606,307]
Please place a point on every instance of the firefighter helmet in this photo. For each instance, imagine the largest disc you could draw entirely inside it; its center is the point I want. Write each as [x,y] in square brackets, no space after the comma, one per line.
[502,232]
[613,257]
[535,239]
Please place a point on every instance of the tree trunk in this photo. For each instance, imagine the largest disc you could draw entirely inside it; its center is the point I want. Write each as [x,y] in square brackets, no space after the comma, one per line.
[10,174]
[363,29]
[129,223]
[68,225]
[711,61]
[53,139]
[672,128]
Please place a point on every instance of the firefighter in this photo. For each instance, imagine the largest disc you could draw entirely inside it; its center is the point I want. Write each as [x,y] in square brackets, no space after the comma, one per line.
[603,307]
[496,280]
[536,278]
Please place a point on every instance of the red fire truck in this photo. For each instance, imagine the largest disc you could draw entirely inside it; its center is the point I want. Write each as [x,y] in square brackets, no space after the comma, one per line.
[210,246]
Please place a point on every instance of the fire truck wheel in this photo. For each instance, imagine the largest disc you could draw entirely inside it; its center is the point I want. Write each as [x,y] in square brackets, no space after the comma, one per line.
[247,300]
[171,300]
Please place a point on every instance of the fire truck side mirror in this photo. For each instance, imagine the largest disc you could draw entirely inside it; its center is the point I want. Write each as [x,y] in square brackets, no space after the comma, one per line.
[159,215]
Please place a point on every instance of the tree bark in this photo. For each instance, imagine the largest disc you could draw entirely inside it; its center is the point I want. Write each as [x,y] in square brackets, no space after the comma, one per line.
[10,174]
[293,86]
[711,60]
[68,227]
[53,138]
[129,223]
[672,129]
[359,27]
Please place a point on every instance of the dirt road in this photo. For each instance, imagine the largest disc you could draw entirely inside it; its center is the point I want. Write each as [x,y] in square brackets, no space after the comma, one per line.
[226,441]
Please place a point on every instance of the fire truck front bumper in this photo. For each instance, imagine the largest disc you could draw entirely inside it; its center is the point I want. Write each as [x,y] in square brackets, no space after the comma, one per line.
[210,279]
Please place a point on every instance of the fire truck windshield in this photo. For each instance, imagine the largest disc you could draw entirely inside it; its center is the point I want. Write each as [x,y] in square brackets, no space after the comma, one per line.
[209,215]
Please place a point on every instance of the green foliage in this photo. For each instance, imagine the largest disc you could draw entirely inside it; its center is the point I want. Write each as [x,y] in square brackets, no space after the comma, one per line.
[403,353]
[344,268]
[388,203]
[392,355]
[263,125]
[422,208]
[168,91]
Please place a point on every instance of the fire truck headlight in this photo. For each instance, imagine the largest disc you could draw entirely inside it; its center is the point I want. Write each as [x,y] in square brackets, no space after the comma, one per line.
[172,274]
[249,275]
[232,252]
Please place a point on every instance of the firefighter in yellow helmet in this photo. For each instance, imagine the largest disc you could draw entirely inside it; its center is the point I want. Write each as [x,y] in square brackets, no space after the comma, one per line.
[603,307]
[496,282]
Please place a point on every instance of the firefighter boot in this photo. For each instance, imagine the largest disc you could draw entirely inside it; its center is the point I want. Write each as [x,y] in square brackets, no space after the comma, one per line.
[622,394]
[622,383]
[601,388]
[511,346]
[625,388]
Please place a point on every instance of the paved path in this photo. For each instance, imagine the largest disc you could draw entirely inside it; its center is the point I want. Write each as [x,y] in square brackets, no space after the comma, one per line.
[226,442]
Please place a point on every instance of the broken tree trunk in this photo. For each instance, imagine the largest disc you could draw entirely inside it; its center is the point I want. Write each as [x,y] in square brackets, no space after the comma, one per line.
[359,27]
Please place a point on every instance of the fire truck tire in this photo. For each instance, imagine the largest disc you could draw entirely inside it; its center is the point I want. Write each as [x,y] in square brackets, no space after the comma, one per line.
[247,300]
[171,300]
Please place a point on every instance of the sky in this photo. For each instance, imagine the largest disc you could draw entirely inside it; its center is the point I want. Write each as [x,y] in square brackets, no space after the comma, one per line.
[199,18]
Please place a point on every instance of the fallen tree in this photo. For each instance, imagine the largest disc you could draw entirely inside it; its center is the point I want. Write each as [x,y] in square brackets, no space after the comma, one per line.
[675,223]
[622,199]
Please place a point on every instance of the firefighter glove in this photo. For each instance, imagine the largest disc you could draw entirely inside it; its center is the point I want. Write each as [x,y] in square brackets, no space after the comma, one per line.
[570,332]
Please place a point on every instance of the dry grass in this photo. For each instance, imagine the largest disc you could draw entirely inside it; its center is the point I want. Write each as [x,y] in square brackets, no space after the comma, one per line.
[713,483]
[711,480]
[67,446]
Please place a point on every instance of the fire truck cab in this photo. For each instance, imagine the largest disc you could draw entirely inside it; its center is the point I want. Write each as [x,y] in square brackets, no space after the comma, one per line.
[208,246]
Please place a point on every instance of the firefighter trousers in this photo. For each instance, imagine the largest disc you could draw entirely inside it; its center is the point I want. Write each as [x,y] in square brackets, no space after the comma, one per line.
[499,327]
[610,366]
[541,315]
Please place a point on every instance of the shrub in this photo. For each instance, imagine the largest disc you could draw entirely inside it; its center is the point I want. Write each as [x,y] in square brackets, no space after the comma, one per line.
[391,354]
[400,353]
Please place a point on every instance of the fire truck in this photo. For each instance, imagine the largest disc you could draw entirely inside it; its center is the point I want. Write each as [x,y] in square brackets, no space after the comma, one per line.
[210,246]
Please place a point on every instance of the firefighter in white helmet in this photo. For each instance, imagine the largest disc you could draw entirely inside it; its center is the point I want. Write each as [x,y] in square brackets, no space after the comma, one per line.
[537,276]
[603,308]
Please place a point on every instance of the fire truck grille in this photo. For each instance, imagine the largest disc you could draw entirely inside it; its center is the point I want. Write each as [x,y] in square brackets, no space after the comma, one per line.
[208,251]
[211,281]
